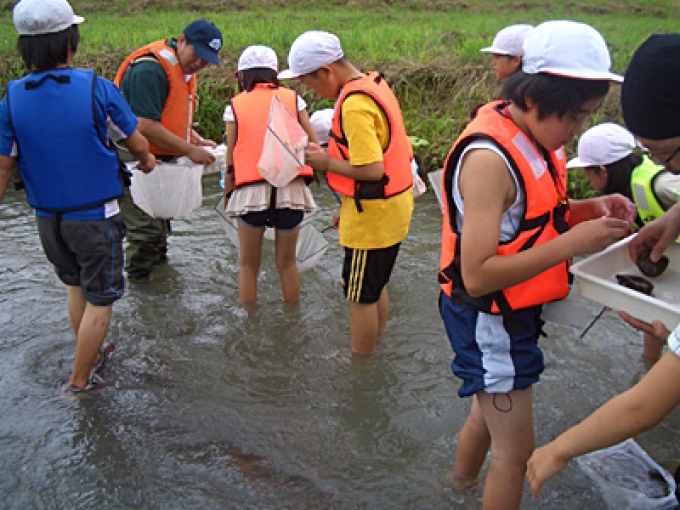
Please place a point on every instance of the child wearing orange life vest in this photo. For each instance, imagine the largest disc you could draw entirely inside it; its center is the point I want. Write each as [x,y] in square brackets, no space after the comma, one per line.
[368,162]
[249,197]
[508,231]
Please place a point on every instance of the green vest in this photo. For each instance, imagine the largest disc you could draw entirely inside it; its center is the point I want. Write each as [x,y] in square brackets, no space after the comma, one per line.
[642,187]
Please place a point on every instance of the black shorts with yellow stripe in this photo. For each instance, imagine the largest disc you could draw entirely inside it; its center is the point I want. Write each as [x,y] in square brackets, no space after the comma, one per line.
[366,272]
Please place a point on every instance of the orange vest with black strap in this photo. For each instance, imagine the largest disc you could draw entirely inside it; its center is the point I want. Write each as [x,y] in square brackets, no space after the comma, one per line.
[251,111]
[397,156]
[546,214]
[178,113]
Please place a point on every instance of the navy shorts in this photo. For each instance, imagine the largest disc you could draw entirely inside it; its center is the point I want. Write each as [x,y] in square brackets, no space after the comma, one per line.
[88,254]
[366,272]
[487,356]
[284,219]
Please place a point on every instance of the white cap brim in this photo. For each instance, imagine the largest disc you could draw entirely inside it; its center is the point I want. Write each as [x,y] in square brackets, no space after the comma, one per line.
[287,75]
[578,163]
[496,51]
[581,74]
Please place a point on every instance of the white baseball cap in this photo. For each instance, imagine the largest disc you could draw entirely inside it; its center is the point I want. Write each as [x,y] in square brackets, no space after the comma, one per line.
[602,145]
[310,51]
[569,49]
[321,121]
[36,17]
[258,56]
[509,41]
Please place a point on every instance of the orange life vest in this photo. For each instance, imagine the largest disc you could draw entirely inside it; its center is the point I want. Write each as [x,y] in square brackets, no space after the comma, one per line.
[396,157]
[251,111]
[545,217]
[178,113]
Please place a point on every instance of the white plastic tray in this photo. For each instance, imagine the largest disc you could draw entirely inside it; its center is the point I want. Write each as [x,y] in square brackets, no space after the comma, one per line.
[596,276]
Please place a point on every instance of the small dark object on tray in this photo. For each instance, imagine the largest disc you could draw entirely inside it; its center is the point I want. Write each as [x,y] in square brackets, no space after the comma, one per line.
[649,268]
[637,283]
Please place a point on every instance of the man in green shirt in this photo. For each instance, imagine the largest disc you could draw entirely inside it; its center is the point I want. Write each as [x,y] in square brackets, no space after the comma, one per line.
[158,82]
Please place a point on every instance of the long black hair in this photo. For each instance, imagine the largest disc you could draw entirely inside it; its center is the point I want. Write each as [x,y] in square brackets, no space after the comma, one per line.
[48,51]
[552,94]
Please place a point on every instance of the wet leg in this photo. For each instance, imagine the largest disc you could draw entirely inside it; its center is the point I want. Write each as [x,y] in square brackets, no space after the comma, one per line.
[472,446]
[287,266]
[510,422]
[249,254]
[363,327]
[90,333]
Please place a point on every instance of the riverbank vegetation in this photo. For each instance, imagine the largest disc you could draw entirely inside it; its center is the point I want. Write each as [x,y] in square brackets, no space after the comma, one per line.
[428,50]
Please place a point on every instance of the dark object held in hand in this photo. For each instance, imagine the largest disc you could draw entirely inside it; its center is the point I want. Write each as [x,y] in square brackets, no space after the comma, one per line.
[649,268]
[637,283]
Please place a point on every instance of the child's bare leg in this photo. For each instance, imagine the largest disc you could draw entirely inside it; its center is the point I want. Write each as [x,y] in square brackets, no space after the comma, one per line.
[91,333]
[472,445]
[249,253]
[286,264]
[510,422]
[363,327]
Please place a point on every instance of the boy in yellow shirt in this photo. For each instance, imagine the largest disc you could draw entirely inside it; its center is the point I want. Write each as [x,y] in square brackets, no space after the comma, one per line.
[368,161]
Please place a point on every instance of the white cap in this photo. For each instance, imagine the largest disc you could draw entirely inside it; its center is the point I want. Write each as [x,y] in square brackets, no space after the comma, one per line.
[310,51]
[321,121]
[36,17]
[602,145]
[509,41]
[569,49]
[258,56]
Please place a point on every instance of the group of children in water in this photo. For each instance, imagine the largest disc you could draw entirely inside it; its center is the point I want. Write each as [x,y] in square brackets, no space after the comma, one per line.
[509,230]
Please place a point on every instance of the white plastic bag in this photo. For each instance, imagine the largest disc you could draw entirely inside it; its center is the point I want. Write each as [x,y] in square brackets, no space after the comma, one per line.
[311,244]
[283,150]
[170,191]
[629,478]
[219,165]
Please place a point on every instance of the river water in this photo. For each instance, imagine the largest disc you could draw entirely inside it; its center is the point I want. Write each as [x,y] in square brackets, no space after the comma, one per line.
[211,405]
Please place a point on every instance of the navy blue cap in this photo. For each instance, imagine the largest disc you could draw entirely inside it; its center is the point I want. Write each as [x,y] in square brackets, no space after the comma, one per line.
[206,39]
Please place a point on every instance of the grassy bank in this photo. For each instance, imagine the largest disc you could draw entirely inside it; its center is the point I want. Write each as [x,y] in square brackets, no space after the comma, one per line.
[429,50]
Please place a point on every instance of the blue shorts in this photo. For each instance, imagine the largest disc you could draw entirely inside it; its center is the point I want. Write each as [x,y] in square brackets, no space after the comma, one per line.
[88,254]
[283,219]
[487,356]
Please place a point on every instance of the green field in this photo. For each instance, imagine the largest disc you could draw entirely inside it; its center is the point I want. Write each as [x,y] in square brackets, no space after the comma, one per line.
[428,50]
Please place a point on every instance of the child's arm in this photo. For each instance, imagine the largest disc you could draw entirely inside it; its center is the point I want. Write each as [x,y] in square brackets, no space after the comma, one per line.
[139,148]
[7,165]
[624,416]
[488,190]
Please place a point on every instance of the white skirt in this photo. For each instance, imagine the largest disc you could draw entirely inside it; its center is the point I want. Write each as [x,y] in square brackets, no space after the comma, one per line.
[256,197]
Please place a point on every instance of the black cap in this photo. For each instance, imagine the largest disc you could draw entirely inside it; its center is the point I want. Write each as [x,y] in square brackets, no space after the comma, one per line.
[650,96]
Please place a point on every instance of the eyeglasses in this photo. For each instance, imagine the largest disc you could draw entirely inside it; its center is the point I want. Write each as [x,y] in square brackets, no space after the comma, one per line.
[670,158]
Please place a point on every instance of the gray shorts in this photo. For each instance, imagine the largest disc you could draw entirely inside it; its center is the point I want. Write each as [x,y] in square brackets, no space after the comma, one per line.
[88,254]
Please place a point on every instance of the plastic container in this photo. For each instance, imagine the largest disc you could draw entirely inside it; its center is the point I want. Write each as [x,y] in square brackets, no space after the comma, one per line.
[596,276]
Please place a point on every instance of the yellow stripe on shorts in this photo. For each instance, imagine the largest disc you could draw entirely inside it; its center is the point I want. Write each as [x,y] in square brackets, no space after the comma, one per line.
[356,274]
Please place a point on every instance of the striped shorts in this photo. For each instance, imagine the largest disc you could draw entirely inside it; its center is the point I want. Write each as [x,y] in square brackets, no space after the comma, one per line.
[488,357]
[366,272]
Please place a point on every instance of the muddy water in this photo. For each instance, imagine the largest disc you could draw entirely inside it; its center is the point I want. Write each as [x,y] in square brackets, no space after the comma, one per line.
[211,405]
